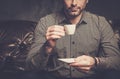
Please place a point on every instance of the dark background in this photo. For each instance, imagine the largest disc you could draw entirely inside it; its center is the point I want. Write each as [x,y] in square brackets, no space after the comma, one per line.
[32,10]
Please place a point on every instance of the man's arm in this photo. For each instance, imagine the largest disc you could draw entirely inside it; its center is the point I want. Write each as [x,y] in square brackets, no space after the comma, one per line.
[110,53]
[38,57]
[44,44]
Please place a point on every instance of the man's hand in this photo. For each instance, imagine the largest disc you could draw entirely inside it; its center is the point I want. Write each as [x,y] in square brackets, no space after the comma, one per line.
[53,33]
[83,63]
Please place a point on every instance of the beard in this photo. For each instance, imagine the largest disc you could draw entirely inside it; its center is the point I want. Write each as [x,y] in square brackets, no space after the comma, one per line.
[73,11]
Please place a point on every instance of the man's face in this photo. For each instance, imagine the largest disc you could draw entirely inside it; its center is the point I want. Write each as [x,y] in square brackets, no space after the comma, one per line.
[74,8]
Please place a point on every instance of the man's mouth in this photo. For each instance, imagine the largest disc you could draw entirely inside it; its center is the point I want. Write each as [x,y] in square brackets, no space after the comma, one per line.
[74,9]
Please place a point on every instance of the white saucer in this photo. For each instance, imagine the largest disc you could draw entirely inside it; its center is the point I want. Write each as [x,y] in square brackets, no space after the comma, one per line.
[67,60]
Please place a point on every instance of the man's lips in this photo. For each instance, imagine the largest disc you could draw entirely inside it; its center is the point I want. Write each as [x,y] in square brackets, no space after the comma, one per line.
[74,9]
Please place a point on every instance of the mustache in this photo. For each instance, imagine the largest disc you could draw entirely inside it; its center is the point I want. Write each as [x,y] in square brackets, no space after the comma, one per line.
[73,8]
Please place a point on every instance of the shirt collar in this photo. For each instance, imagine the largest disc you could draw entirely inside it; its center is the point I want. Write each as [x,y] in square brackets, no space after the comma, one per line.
[84,19]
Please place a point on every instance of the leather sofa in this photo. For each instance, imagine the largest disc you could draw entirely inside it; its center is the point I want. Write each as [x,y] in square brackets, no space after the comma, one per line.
[15,41]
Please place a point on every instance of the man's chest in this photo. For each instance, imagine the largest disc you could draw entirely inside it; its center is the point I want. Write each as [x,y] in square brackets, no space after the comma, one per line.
[84,41]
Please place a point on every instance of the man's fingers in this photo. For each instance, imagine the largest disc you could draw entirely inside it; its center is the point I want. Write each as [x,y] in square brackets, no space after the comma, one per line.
[85,68]
[55,32]
[53,37]
[80,64]
[55,28]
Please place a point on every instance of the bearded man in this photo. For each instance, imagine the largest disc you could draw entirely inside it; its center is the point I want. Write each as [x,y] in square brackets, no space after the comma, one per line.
[92,46]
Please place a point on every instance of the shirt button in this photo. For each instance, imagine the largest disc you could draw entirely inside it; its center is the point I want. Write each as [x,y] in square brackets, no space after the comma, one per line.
[72,56]
[73,42]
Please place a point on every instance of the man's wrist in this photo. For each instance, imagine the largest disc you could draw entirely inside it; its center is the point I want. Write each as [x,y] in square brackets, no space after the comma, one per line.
[97,59]
[48,49]
[96,62]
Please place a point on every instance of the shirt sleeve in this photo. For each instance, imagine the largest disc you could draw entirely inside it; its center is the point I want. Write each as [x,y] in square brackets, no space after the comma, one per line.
[37,57]
[109,50]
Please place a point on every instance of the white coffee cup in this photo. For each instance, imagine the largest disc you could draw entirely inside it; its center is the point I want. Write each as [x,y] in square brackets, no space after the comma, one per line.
[70,28]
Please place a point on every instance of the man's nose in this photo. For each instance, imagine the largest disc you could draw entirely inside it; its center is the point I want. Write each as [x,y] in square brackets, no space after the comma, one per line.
[74,2]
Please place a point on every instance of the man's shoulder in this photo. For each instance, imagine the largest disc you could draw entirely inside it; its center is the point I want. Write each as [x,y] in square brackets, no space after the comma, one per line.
[99,20]
[94,16]
[51,16]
